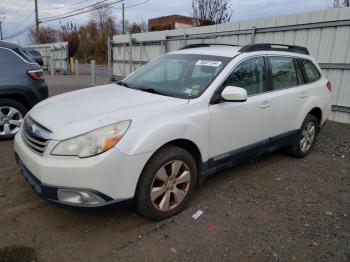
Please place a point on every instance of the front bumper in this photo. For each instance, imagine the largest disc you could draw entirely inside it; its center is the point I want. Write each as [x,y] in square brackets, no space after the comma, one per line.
[110,177]
[51,193]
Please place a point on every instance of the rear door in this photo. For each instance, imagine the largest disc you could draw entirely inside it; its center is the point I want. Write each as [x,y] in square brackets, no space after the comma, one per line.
[287,93]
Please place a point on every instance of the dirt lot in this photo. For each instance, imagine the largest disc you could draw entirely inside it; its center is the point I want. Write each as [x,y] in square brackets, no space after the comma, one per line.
[274,208]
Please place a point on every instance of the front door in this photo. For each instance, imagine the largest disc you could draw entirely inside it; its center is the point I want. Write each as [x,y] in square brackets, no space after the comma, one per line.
[237,126]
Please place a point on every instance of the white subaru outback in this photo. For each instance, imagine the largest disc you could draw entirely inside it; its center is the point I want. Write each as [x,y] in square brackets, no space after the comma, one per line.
[154,136]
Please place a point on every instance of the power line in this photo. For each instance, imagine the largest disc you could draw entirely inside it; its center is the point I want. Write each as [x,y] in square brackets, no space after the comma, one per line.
[44,9]
[76,10]
[21,31]
[61,7]
[48,19]
[83,12]
[130,6]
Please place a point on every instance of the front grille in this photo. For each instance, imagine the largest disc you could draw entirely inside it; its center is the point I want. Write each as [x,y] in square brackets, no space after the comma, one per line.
[35,136]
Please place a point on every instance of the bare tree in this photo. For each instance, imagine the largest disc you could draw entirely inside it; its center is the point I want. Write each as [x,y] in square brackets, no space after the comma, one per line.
[340,3]
[69,33]
[46,35]
[208,12]
[103,17]
[137,27]
[134,28]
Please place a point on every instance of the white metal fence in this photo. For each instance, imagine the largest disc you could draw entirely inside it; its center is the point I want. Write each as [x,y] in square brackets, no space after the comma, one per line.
[55,55]
[325,33]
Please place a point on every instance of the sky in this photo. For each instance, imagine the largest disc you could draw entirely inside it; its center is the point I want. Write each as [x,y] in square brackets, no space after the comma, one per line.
[16,15]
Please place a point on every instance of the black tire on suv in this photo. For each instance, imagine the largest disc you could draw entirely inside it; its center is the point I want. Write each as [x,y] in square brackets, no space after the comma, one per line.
[11,116]
[166,183]
[305,138]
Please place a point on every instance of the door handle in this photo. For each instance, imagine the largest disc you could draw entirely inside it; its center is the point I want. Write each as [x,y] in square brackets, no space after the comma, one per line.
[265,105]
[303,95]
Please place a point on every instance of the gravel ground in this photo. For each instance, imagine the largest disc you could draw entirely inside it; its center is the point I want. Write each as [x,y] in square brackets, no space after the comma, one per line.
[275,208]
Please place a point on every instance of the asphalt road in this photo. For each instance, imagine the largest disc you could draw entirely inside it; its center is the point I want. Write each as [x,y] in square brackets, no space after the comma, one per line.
[101,70]
[275,208]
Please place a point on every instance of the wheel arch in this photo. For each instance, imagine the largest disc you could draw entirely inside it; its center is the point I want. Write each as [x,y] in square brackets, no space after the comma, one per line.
[18,98]
[317,112]
[190,147]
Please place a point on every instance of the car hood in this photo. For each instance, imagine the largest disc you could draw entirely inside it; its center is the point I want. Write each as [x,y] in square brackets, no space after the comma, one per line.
[81,111]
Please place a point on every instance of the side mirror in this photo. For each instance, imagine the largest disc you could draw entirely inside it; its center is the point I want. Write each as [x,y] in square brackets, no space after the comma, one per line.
[234,94]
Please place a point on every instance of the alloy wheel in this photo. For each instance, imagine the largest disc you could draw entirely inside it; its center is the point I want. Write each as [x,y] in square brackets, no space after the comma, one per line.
[307,137]
[10,120]
[170,185]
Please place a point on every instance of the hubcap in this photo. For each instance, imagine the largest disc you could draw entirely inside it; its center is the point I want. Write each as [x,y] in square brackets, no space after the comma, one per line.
[308,136]
[10,120]
[170,185]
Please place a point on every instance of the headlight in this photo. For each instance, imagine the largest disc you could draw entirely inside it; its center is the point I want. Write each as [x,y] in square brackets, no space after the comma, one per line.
[92,143]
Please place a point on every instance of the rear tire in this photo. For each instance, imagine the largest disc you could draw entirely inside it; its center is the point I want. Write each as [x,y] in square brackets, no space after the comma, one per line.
[166,183]
[11,117]
[305,138]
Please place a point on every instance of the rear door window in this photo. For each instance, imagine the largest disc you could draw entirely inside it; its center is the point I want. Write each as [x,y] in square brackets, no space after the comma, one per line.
[283,72]
[311,72]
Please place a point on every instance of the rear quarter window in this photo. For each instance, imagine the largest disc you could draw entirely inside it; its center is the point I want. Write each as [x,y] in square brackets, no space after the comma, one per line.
[311,72]
[23,54]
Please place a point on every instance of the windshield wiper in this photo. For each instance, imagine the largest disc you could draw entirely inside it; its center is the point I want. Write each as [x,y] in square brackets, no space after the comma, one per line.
[151,90]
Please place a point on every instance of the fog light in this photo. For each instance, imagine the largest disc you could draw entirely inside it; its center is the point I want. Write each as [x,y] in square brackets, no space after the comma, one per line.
[79,197]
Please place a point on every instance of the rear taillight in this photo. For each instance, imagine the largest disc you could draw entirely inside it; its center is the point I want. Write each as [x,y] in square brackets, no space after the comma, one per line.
[36,74]
[329,86]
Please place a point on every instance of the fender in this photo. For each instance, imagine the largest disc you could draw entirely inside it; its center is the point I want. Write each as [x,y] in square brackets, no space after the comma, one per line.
[21,94]
[311,103]
[155,134]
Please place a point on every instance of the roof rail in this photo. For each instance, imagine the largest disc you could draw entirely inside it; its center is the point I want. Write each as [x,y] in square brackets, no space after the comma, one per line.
[203,45]
[274,47]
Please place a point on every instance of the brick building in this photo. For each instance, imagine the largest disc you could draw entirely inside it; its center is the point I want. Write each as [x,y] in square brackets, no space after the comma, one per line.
[170,22]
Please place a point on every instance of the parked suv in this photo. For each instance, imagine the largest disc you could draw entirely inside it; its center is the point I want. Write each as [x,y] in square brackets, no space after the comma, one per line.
[22,85]
[154,136]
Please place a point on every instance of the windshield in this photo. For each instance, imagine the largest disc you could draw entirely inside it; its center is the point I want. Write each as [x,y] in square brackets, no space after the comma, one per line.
[178,75]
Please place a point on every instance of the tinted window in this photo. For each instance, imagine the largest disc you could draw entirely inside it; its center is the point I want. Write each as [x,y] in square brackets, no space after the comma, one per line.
[8,63]
[250,75]
[283,72]
[310,70]
[7,57]
[23,54]
[34,52]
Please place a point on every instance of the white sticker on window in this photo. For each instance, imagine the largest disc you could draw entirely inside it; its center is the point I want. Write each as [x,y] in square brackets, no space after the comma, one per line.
[208,63]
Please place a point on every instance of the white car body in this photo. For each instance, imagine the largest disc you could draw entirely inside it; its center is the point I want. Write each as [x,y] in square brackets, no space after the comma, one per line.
[215,130]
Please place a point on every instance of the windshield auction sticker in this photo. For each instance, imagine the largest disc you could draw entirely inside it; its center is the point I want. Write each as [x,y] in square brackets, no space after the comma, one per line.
[208,63]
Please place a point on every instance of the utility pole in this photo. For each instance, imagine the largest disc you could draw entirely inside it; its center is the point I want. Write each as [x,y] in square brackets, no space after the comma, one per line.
[123,15]
[36,18]
[1,19]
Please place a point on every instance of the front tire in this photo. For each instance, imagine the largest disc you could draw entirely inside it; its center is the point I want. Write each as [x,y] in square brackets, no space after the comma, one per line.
[166,183]
[11,118]
[305,138]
